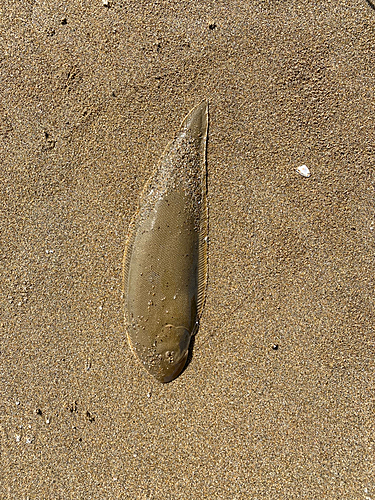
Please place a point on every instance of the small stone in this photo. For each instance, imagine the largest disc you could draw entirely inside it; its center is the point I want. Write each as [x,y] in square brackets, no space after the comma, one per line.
[304,171]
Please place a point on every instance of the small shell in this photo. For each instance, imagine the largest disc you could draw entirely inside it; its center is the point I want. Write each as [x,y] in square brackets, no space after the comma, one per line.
[165,261]
[303,170]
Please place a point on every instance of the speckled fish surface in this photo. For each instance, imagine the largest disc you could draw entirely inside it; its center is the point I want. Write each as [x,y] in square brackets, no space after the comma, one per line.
[165,261]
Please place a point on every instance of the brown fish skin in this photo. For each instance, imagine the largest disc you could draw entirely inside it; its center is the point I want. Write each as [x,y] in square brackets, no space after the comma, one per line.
[165,264]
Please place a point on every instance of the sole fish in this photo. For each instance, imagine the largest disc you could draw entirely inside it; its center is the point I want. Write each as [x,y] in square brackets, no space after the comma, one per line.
[165,260]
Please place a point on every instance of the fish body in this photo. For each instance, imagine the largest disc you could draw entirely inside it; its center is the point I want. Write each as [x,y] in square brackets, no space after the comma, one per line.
[165,262]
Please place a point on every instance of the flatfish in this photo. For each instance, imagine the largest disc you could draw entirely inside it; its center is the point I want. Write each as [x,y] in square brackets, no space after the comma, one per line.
[165,260]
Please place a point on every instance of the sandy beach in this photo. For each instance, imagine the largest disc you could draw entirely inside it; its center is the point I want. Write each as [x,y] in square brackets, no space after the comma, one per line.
[277,400]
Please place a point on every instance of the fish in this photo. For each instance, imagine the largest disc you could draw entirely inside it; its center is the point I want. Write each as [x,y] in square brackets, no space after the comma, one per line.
[165,265]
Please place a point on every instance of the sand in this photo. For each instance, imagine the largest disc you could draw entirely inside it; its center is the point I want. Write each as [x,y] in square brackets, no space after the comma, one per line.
[278,398]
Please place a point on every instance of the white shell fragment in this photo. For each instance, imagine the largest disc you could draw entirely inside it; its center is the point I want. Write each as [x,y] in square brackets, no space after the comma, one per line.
[304,171]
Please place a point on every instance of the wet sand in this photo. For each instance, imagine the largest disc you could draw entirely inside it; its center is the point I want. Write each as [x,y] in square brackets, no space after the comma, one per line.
[278,398]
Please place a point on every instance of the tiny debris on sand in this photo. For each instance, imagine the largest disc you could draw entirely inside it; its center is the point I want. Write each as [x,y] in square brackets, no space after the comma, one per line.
[304,171]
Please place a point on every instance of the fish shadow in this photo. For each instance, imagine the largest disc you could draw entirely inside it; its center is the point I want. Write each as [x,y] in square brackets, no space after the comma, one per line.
[371,4]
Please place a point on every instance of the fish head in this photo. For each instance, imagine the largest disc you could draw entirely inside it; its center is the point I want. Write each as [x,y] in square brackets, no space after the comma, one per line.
[172,349]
